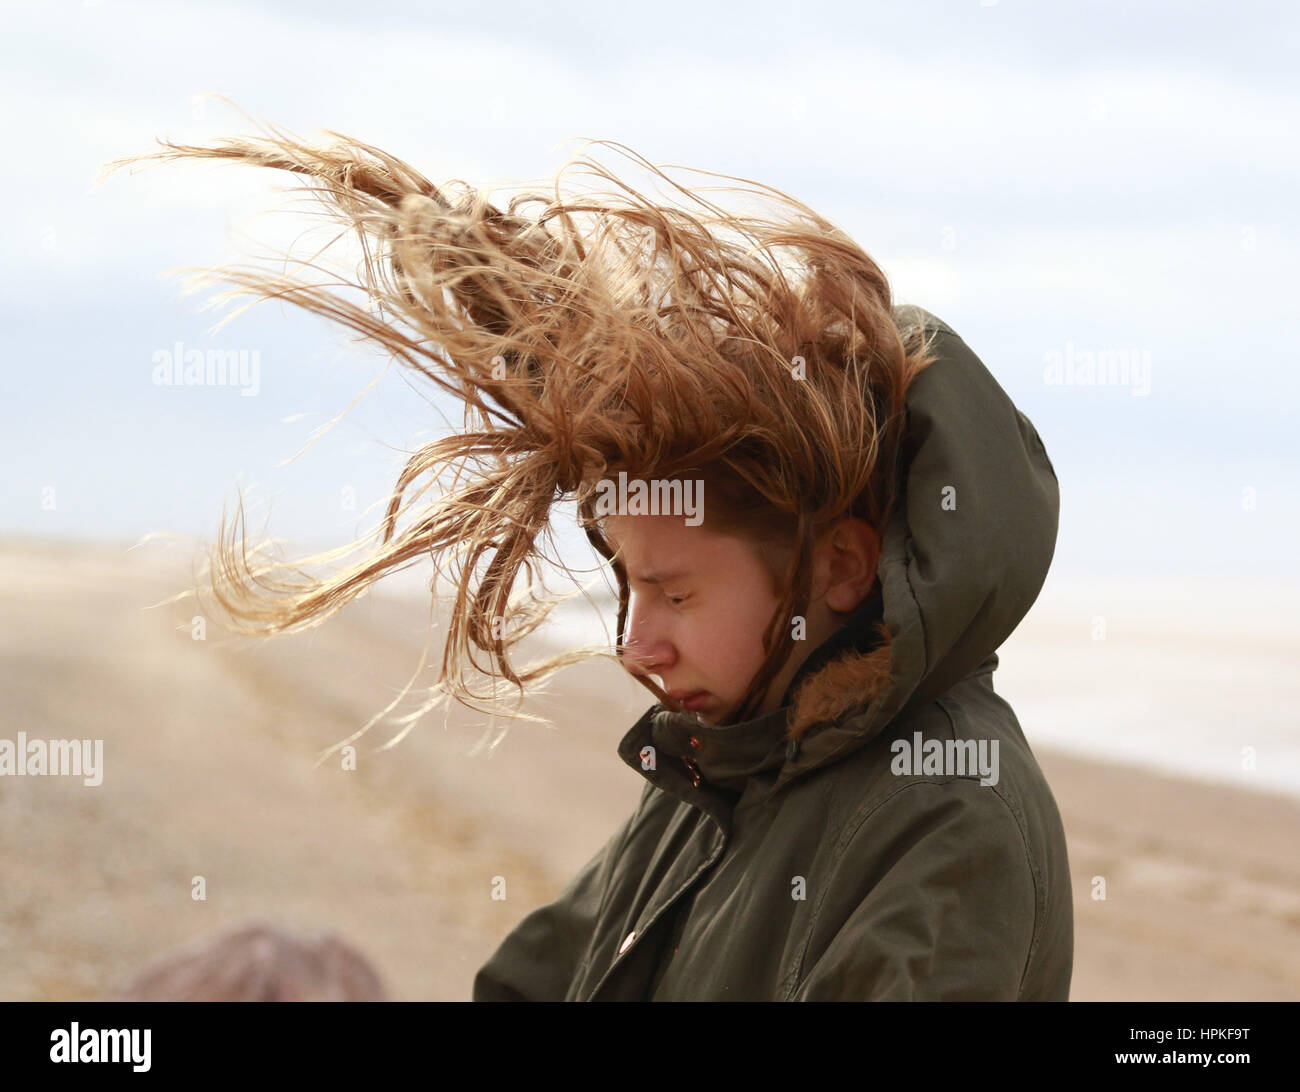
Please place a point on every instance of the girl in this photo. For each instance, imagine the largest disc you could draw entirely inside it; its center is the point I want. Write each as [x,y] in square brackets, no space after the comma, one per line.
[837,803]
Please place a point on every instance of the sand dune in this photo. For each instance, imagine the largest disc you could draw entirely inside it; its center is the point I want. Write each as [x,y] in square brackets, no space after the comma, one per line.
[208,772]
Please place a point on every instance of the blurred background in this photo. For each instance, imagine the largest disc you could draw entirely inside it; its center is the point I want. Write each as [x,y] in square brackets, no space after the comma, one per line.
[1099,198]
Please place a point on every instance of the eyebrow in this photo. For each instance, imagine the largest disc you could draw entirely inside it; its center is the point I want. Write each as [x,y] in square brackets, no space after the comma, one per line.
[659,577]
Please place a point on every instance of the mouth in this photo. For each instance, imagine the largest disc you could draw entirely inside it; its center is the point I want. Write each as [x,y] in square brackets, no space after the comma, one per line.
[690,699]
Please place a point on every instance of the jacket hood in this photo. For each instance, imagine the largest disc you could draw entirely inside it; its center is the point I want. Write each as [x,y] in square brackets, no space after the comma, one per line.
[962,560]
[967,551]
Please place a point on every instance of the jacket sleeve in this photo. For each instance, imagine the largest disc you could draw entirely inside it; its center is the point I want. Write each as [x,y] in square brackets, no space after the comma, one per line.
[537,961]
[934,900]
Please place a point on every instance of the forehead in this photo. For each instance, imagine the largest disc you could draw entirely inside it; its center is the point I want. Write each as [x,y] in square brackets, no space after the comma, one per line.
[653,548]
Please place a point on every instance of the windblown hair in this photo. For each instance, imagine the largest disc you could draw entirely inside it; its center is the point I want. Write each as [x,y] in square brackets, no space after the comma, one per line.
[588,333]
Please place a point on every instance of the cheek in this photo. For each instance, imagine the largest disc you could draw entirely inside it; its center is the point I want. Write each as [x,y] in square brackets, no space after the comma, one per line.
[730,644]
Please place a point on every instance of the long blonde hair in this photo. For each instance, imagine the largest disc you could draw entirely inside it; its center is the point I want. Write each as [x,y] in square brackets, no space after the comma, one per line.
[587,333]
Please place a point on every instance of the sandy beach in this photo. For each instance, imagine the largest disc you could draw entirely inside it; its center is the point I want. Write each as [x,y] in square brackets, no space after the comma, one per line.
[208,771]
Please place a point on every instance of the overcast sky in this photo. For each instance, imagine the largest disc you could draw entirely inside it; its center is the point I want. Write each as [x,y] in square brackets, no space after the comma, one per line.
[1050,179]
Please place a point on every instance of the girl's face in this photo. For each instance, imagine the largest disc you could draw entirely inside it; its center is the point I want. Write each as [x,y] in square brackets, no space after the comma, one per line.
[698,604]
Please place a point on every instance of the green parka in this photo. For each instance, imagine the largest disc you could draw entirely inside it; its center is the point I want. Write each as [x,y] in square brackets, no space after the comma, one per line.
[798,856]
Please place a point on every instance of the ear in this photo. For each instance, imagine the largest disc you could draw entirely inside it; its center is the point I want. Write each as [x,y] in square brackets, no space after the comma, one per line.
[852,557]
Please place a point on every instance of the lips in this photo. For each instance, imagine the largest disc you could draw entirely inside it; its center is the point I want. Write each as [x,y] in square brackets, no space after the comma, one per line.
[690,699]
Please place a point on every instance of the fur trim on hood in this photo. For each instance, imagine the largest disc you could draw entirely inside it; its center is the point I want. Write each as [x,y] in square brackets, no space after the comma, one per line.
[846,684]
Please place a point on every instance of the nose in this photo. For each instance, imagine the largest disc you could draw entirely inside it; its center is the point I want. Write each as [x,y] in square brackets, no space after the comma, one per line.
[647,651]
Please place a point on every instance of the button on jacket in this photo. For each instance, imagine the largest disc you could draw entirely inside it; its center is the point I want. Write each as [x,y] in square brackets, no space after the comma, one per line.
[798,856]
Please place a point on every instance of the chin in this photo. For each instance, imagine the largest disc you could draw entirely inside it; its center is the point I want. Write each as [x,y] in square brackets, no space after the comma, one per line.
[717,712]
[704,716]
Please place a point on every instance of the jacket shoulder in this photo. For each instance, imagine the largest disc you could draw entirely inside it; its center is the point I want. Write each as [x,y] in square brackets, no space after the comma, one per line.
[911,841]
[910,316]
